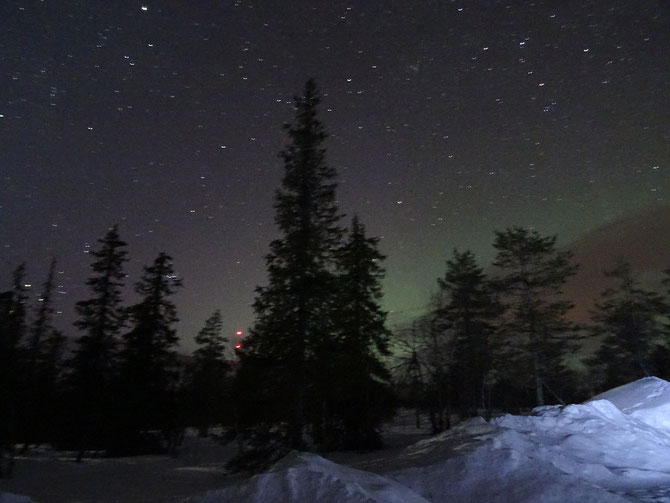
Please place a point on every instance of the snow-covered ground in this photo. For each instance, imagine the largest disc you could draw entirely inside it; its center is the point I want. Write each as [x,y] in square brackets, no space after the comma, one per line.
[54,477]
[613,448]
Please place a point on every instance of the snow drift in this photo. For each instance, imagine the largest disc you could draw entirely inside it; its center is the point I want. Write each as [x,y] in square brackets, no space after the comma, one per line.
[14,498]
[611,449]
[302,477]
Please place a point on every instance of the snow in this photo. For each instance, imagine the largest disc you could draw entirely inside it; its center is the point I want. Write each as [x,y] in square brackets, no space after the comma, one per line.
[301,477]
[613,448]
[14,498]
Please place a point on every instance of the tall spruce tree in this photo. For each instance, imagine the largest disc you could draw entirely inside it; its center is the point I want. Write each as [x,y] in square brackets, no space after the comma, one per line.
[50,370]
[468,311]
[354,374]
[93,366]
[44,353]
[13,314]
[629,322]
[207,384]
[12,366]
[532,274]
[12,334]
[293,311]
[43,319]
[148,360]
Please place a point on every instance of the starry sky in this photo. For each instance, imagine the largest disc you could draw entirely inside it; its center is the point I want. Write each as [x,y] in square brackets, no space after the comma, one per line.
[449,119]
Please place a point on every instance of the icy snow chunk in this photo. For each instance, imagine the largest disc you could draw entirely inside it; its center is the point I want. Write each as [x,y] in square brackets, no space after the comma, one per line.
[302,477]
[647,399]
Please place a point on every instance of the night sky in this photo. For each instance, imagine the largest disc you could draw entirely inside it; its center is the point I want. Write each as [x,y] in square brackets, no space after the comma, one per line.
[448,120]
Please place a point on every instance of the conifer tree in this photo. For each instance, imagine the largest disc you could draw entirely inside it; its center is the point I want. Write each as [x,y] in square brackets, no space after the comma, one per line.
[468,310]
[629,321]
[148,360]
[43,319]
[13,313]
[44,353]
[532,274]
[93,366]
[208,375]
[12,366]
[293,309]
[50,385]
[18,304]
[354,372]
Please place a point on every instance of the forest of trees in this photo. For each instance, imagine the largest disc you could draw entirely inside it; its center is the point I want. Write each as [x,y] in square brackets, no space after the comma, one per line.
[319,369]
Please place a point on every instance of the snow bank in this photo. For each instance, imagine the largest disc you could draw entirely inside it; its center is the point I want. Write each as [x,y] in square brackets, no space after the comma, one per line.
[595,442]
[302,477]
[610,449]
[499,466]
[14,498]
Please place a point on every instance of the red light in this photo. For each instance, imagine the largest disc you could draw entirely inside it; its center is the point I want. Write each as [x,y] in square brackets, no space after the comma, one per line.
[238,345]
[239,333]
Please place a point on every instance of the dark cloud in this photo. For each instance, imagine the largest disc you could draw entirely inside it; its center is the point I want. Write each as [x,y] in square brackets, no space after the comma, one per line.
[641,239]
